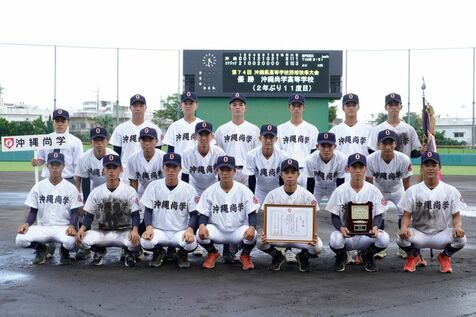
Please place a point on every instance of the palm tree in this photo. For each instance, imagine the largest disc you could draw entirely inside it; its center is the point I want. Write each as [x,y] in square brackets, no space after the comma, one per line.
[106,121]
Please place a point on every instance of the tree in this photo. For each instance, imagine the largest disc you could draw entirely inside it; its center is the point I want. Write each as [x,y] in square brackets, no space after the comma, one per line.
[170,111]
[106,121]
[381,117]
[332,113]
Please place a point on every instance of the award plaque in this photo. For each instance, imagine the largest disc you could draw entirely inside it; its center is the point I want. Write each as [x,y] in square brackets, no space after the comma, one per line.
[290,223]
[359,218]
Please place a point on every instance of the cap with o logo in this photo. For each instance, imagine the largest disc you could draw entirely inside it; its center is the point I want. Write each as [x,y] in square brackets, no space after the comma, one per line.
[430,156]
[225,161]
[392,97]
[203,126]
[356,158]
[237,96]
[387,134]
[55,157]
[172,159]
[350,98]
[326,138]
[111,159]
[268,129]
[137,99]
[186,96]
[148,132]
[97,132]
[296,98]
[289,163]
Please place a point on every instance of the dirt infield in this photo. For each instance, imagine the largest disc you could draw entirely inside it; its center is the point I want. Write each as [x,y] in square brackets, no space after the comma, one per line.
[112,289]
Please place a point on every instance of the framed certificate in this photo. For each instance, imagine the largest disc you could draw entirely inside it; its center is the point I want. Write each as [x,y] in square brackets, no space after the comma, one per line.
[290,223]
[359,218]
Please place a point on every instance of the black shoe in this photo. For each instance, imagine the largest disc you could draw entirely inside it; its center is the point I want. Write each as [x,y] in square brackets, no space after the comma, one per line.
[171,255]
[303,260]
[65,259]
[341,258]
[157,258]
[82,254]
[229,257]
[369,262]
[130,259]
[99,255]
[278,261]
[182,259]
[40,254]
[51,250]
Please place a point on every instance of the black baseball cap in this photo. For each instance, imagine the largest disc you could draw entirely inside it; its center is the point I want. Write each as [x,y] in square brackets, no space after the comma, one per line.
[350,98]
[137,99]
[387,134]
[203,126]
[430,156]
[296,98]
[268,129]
[188,96]
[148,132]
[60,113]
[55,157]
[326,138]
[392,97]
[172,159]
[225,161]
[111,159]
[237,96]
[97,132]
[290,163]
[356,158]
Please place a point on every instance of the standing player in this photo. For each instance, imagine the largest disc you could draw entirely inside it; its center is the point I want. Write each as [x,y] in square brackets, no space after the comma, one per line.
[290,194]
[228,214]
[125,138]
[54,203]
[297,137]
[116,207]
[325,167]
[390,171]
[432,208]
[357,190]
[171,217]
[263,164]
[351,135]
[238,137]
[198,160]
[72,152]
[181,133]
[407,138]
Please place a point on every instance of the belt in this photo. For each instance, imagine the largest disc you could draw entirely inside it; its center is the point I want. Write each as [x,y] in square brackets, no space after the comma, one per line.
[239,167]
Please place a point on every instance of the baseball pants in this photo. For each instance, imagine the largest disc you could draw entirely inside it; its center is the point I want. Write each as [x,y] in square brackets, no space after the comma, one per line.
[45,234]
[435,241]
[108,238]
[168,239]
[358,242]
[222,237]
[313,249]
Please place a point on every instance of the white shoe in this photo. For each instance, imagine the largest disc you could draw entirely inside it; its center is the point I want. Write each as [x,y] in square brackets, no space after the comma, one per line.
[199,251]
[402,254]
[290,256]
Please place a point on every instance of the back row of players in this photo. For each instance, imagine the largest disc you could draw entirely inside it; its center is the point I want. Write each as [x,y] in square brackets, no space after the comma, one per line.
[286,149]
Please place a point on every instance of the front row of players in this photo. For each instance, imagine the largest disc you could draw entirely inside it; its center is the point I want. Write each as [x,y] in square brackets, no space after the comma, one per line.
[227,211]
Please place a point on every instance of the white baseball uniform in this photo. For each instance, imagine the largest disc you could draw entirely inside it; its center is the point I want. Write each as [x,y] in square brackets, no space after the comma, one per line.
[300,197]
[407,138]
[337,205]
[144,171]
[89,166]
[227,212]
[352,139]
[266,170]
[236,141]
[200,168]
[72,152]
[54,204]
[431,211]
[112,212]
[181,135]
[387,177]
[325,173]
[170,217]
[298,141]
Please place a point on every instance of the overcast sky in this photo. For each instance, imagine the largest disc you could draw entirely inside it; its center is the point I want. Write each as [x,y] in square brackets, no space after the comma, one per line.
[27,72]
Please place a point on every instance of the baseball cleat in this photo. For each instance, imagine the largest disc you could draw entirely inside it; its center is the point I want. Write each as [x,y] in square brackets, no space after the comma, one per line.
[130,259]
[401,254]
[211,259]
[182,259]
[368,261]
[290,256]
[245,260]
[40,254]
[411,264]
[65,259]
[98,258]
[51,250]
[445,263]
[380,255]
[303,261]
[82,254]
[339,265]
[278,261]
[229,257]
[198,252]
[157,258]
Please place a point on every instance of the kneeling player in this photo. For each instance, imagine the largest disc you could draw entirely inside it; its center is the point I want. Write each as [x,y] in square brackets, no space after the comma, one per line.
[358,191]
[228,214]
[290,194]
[170,214]
[116,207]
[429,207]
[54,203]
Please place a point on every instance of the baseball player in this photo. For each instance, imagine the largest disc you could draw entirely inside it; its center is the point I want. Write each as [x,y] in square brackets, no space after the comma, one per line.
[431,217]
[198,160]
[390,171]
[125,138]
[238,136]
[325,167]
[54,204]
[88,173]
[263,164]
[116,207]
[171,217]
[290,194]
[297,136]
[228,214]
[181,133]
[351,135]
[357,190]
[72,152]
[407,138]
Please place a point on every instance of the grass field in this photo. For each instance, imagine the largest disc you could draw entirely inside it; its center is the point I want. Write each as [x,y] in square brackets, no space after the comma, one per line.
[447,170]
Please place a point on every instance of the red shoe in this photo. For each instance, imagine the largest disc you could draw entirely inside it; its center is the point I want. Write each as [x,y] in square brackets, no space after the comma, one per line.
[445,263]
[245,260]
[211,259]
[422,262]
[411,264]
[358,259]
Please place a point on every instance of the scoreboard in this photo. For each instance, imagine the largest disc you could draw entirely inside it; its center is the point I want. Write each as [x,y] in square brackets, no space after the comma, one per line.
[218,73]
